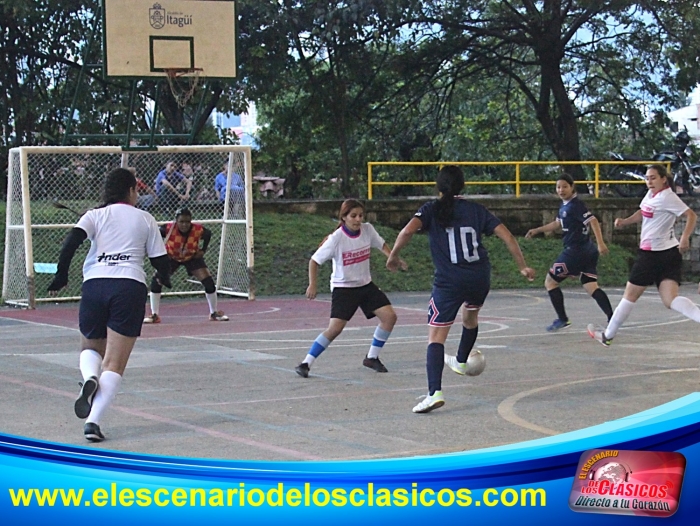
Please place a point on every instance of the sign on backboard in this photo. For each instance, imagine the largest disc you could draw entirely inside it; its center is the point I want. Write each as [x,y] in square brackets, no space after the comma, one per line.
[144,38]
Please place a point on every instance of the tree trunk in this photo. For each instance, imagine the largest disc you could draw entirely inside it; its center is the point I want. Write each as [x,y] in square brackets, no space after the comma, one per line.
[555,113]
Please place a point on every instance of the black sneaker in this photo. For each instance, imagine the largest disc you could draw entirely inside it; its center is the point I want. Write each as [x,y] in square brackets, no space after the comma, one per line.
[374,363]
[87,394]
[302,370]
[93,433]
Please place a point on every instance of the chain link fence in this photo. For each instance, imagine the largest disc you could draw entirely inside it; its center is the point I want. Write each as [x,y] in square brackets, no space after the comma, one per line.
[50,187]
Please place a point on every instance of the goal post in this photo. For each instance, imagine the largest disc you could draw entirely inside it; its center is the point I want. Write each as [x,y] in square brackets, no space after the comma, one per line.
[50,186]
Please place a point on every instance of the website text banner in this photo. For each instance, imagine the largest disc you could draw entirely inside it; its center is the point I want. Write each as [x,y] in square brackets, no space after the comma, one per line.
[42,482]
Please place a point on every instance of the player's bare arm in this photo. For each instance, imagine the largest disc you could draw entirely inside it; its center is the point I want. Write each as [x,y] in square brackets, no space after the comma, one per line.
[598,233]
[631,220]
[549,227]
[387,252]
[393,261]
[514,248]
[313,275]
[690,219]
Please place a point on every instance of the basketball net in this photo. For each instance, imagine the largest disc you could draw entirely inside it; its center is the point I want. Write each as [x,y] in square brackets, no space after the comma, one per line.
[183,82]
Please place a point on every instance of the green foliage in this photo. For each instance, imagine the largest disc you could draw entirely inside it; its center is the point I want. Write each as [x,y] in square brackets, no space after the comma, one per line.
[285,243]
[340,83]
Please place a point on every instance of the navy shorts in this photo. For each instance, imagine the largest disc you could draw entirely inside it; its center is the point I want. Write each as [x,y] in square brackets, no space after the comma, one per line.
[445,301]
[190,265]
[652,267]
[346,300]
[117,303]
[576,261]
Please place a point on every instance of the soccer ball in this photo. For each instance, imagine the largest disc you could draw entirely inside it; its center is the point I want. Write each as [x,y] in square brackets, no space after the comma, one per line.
[476,363]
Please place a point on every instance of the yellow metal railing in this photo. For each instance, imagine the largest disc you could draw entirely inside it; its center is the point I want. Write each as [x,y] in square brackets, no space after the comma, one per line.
[596,182]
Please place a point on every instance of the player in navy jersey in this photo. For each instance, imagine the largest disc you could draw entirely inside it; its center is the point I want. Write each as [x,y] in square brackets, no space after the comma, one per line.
[580,255]
[455,227]
[659,261]
[114,290]
[349,248]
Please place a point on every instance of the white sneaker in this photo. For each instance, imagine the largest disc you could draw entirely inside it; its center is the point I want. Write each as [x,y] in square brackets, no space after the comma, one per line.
[598,335]
[153,318]
[452,363]
[430,402]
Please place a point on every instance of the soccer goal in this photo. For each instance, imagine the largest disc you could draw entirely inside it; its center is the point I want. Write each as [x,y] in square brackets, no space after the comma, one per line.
[50,187]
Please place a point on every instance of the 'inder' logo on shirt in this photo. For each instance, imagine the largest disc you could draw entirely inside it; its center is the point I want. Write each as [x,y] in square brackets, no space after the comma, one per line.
[112,259]
[647,211]
[357,256]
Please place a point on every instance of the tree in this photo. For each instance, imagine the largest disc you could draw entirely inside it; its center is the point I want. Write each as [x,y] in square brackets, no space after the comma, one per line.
[568,58]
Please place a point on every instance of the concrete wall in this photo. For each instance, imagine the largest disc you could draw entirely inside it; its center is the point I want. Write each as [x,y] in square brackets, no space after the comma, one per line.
[518,214]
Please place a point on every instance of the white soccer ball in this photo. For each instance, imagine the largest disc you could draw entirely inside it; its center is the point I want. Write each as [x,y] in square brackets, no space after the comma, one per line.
[476,363]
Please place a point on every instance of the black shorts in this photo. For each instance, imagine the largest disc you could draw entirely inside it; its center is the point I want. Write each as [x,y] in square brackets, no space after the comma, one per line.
[345,300]
[190,265]
[652,267]
[117,303]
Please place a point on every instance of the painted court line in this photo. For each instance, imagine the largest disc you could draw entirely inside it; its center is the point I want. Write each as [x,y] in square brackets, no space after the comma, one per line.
[176,423]
[507,408]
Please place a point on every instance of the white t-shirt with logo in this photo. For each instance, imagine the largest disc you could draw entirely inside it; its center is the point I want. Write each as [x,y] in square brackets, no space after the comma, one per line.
[121,236]
[659,213]
[350,255]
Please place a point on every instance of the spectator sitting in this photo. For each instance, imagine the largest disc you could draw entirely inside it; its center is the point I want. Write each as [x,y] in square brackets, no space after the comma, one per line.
[146,194]
[236,186]
[166,185]
[206,195]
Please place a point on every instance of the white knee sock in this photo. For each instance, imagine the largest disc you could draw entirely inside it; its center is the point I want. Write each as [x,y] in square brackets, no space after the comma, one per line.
[109,386]
[686,307]
[211,300]
[90,364]
[619,316]
[155,302]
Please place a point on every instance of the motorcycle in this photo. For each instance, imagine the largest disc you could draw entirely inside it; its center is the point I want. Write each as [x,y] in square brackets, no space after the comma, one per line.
[627,172]
[685,175]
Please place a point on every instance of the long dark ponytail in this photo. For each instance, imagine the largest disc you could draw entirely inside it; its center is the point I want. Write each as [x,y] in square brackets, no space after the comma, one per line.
[450,182]
[117,185]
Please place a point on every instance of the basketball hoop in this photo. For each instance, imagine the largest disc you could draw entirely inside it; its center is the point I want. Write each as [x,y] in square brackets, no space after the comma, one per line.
[183,89]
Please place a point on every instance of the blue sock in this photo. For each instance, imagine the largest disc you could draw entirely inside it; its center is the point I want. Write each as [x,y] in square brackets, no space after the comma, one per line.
[320,344]
[435,362]
[380,338]
[466,343]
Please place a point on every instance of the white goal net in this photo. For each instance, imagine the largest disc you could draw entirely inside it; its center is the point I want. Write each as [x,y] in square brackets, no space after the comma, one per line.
[50,187]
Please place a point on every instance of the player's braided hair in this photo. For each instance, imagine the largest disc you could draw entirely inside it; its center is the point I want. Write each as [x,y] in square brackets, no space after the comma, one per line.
[450,182]
[117,185]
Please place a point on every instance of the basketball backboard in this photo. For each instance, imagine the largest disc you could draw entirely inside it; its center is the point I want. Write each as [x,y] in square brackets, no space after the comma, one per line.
[144,38]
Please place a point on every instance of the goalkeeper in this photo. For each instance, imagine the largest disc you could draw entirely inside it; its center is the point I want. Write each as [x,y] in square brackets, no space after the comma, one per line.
[113,298]
[186,242]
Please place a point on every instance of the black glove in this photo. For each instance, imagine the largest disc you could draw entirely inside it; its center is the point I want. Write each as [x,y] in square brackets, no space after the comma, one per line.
[59,281]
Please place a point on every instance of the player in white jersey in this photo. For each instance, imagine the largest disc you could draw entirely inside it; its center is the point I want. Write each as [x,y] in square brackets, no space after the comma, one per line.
[659,258]
[114,290]
[349,248]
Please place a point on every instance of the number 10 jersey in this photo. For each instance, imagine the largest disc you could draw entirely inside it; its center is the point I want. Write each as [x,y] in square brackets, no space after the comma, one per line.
[457,251]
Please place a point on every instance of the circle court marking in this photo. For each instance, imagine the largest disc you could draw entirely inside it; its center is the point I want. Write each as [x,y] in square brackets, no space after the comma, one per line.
[506,407]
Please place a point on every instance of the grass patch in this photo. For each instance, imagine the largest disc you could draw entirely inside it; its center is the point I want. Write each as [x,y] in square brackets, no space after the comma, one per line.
[285,242]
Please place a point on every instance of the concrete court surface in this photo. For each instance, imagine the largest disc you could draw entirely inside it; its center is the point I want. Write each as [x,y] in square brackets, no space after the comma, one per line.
[196,388]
